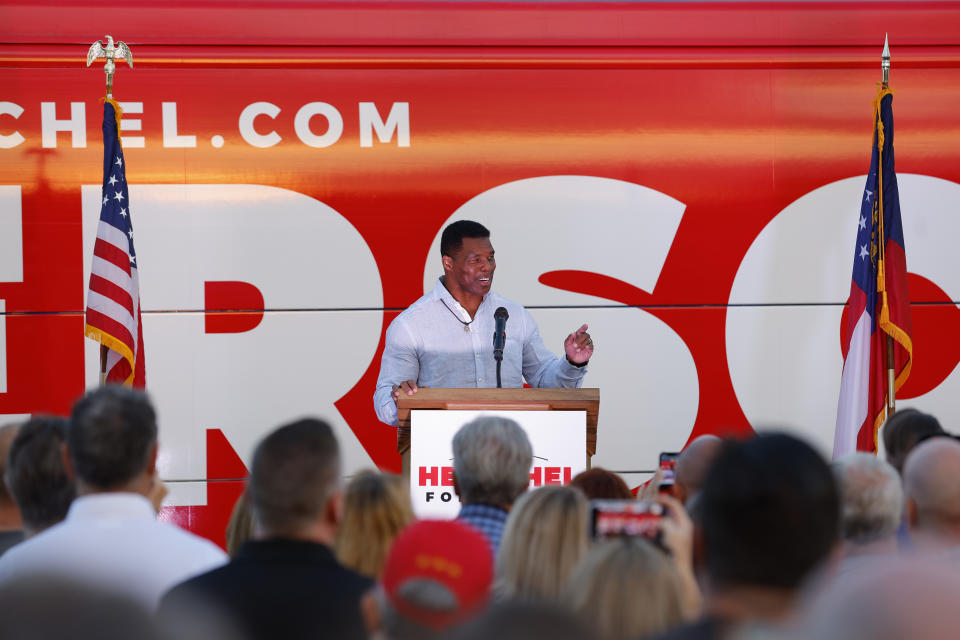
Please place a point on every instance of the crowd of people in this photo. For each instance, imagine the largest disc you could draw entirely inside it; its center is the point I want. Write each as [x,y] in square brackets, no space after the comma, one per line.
[757,538]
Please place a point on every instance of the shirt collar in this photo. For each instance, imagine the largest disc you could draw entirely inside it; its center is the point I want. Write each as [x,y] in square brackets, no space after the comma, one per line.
[484,510]
[442,293]
[279,549]
[119,505]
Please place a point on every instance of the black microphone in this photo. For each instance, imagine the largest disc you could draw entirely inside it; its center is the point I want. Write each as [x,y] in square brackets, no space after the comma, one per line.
[500,332]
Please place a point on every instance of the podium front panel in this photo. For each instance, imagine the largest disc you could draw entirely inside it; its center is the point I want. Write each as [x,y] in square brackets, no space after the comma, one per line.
[558,439]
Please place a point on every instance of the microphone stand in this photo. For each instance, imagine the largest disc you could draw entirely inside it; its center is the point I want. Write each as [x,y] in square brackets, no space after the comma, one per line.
[499,339]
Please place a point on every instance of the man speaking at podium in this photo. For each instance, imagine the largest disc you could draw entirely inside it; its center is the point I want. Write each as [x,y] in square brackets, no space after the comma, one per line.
[446,338]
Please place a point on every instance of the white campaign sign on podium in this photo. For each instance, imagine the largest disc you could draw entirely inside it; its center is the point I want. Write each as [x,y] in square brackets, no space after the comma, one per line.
[559,440]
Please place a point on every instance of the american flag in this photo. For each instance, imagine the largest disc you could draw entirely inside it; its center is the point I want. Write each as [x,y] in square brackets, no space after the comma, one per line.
[113,301]
[879,303]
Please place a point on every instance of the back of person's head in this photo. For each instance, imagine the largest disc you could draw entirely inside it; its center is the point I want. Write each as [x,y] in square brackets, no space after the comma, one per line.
[452,237]
[43,607]
[891,598]
[627,588]
[524,620]
[7,435]
[436,578]
[240,526]
[904,430]
[112,437]
[294,475]
[491,461]
[599,484]
[871,498]
[376,507]
[36,476]
[931,477]
[692,465]
[543,542]
[769,513]
[40,607]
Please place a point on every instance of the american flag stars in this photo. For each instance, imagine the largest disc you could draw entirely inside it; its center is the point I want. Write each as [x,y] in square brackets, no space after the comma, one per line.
[113,300]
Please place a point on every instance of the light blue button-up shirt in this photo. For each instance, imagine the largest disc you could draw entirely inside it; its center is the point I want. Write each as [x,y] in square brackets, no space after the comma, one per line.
[430,343]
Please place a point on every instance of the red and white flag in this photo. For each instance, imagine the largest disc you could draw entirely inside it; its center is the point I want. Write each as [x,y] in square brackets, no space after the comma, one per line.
[113,300]
[879,303]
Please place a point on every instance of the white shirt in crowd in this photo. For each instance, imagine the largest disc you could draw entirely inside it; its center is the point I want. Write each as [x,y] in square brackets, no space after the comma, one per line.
[114,541]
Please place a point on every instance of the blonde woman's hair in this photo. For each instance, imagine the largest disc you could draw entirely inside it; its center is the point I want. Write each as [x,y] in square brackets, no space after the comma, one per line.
[240,527]
[545,537]
[627,588]
[376,507]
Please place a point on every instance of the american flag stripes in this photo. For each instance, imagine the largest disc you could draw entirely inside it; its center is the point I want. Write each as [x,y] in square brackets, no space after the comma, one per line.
[113,300]
[879,304]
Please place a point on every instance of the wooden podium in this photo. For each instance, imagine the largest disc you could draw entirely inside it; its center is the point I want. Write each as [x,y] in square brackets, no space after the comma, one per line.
[498,400]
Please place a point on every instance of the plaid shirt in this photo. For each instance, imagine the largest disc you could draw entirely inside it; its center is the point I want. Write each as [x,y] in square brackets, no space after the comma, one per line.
[486,519]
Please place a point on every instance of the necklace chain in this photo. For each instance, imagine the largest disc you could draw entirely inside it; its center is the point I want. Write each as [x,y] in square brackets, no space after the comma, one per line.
[466,325]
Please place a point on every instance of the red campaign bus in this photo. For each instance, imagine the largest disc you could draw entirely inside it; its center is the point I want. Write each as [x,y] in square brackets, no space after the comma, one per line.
[683,177]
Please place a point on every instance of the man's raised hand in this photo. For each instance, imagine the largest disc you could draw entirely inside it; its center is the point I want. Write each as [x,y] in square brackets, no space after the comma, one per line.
[578,346]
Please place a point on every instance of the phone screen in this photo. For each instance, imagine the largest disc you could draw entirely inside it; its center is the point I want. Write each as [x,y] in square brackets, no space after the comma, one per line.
[668,471]
[619,518]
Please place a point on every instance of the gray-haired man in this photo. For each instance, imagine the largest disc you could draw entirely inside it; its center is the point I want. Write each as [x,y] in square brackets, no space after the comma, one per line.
[871,501]
[491,468]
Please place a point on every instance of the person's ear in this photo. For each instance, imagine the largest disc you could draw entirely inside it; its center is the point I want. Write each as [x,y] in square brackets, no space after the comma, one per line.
[67,462]
[912,515]
[447,263]
[680,492]
[333,513]
[152,460]
[370,610]
[699,549]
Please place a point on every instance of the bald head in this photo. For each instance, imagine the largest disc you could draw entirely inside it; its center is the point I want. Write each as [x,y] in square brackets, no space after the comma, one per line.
[904,599]
[693,463]
[931,478]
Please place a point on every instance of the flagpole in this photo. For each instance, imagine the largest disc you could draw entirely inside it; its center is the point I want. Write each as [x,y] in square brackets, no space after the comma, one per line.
[891,372]
[111,52]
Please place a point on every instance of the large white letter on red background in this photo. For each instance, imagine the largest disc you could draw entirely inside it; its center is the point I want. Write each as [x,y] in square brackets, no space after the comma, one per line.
[783,325]
[11,270]
[648,381]
[310,347]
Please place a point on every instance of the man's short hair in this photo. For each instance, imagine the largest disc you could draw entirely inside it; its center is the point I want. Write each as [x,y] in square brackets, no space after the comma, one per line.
[769,512]
[904,430]
[112,431]
[452,237]
[491,460]
[8,434]
[36,476]
[871,498]
[296,469]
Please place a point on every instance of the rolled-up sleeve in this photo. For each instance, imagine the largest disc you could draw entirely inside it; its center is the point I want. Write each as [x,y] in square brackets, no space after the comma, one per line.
[400,362]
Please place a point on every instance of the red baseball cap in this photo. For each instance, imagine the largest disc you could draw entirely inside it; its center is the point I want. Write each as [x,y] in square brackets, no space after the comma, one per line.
[438,573]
